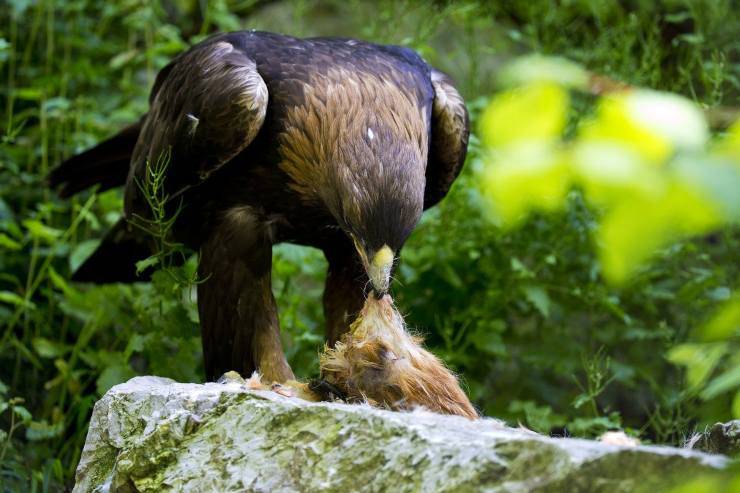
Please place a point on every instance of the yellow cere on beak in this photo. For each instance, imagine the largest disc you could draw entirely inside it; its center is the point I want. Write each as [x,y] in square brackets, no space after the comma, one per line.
[384,257]
[379,269]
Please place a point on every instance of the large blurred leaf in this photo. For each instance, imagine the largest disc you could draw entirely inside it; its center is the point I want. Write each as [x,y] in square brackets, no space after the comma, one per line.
[534,112]
[634,229]
[724,382]
[651,123]
[529,176]
[724,324]
[699,359]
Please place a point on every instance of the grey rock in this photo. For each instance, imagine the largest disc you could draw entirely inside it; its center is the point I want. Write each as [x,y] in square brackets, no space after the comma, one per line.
[153,434]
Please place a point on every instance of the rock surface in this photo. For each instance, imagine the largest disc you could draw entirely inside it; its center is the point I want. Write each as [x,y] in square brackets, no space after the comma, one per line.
[720,438]
[153,434]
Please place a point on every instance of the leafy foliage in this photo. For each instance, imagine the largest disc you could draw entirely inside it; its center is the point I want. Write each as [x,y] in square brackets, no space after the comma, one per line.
[524,314]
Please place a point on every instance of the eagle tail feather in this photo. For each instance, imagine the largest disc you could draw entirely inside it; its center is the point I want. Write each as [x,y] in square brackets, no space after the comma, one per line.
[106,164]
[115,258]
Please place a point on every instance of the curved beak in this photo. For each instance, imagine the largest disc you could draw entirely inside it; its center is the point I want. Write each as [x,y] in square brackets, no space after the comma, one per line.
[379,270]
[378,266]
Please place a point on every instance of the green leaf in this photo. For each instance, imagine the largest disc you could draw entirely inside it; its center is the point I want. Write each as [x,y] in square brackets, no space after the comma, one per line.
[40,231]
[531,113]
[48,349]
[143,265]
[519,267]
[42,430]
[13,299]
[29,93]
[580,400]
[136,344]
[22,413]
[736,406]
[652,124]
[594,426]
[56,106]
[538,68]
[699,359]
[633,230]
[113,375]
[525,177]
[725,382]
[82,252]
[60,283]
[8,243]
[538,418]
[678,17]
[487,337]
[724,324]
[122,59]
[539,298]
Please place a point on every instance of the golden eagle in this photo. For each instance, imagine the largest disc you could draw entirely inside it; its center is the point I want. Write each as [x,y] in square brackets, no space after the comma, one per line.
[334,143]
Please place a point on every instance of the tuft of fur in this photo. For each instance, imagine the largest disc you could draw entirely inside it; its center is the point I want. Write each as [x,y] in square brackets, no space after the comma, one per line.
[378,361]
[620,438]
[290,388]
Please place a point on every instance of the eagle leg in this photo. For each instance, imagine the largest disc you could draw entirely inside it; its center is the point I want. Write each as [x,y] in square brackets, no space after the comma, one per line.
[344,292]
[238,314]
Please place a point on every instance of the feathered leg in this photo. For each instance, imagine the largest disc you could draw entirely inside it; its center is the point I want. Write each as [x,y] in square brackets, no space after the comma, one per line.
[238,314]
[344,293]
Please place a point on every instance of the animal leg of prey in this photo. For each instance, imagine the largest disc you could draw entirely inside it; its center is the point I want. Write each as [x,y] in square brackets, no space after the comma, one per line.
[238,314]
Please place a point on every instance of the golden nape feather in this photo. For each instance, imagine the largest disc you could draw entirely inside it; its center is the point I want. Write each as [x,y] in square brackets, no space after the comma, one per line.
[379,362]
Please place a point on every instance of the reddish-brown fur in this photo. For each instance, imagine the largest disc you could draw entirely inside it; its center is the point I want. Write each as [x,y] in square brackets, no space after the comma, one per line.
[380,362]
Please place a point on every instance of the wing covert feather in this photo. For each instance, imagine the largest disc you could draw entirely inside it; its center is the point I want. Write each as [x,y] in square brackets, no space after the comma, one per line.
[206,107]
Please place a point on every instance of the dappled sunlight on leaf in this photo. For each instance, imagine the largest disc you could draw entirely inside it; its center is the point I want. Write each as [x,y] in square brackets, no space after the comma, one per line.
[718,180]
[614,124]
[642,159]
[724,324]
[530,113]
[530,176]
[729,146]
[634,229]
[610,173]
[652,124]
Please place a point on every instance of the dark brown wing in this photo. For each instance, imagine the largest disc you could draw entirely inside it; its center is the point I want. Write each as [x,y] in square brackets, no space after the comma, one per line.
[206,106]
[449,145]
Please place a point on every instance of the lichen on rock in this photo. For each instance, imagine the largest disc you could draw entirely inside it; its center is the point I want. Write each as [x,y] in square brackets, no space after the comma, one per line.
[153,434]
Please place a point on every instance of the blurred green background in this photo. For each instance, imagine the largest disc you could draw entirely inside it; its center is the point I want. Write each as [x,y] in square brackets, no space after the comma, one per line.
[524,314]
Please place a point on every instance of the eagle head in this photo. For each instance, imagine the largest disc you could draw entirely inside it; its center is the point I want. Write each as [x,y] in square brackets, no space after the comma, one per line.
[378,201]
[358,146]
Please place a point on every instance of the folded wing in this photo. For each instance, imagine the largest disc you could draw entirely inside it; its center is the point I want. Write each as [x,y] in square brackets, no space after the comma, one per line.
[206,107]
[449,145]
